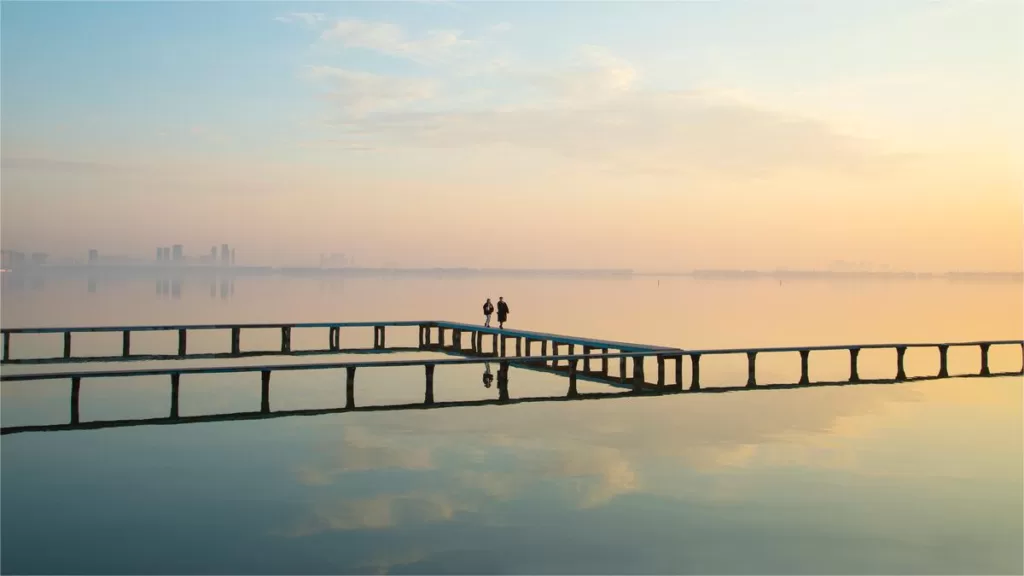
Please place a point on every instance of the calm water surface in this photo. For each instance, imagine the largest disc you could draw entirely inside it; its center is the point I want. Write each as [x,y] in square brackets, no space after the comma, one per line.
[914,478]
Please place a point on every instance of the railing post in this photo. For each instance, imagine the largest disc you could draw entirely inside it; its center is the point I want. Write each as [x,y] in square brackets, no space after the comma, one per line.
[286,339]
[679,371]
[622,369]
[332,339]
[350,387]
[236,340]
[175,389]
[572,379]
[805,376]
[554,352]
[854,375]
[457,339]
[544,349]
[638,373]
[428,396]
[901,374]
[7,346]
[265,391]
[440,336]
[76,386]
[695,369]
[604,361]
[572,349]
[586,361]
[181,341]
[126,343]
[67,344]
[494,345]
[503,338]
[661,370]
[519,346]
[984,359]
[422,340]
[943,361]
[751,369]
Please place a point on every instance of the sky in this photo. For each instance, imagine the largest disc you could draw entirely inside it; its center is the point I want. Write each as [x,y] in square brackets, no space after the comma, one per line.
[645,135]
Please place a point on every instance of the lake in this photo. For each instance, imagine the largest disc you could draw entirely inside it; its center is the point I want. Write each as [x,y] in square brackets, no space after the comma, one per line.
[921,477]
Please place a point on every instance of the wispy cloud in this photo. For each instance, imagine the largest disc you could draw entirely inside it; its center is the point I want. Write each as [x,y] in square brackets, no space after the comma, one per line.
[357,93]
[308,18]
[390,39]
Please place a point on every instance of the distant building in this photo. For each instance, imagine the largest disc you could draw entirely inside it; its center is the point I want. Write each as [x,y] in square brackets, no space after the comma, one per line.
[178,252]
[167,253]
[39,258]
[232,256]
[159,254]
[225,254]
[94,255]
[213,254]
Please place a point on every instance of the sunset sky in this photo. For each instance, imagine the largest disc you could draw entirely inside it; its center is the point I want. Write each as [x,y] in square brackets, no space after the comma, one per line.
[654,136]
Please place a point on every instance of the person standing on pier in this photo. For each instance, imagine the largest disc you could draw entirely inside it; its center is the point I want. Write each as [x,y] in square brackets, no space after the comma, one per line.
[488,310]
[502,312]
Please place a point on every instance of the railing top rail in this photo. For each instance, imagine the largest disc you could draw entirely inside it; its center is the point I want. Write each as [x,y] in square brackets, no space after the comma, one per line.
[849,346]
[327,365]
[593,342]
[220,326]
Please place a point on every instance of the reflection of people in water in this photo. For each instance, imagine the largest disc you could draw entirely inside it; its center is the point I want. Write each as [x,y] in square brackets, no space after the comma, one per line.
[488,377]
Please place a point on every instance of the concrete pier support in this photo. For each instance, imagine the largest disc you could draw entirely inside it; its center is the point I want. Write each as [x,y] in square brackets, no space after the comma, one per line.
[751,369]
[572,378]
[175,391]
[854,374]
[503,381]
[265,391]
[236,340]
[805,376]
[286,339]
[428,395]
[901,373]
[126,343]
[350,387]
[695,372]
[943,361]
[182,341]
[984,360]
[76,388]
[67,344]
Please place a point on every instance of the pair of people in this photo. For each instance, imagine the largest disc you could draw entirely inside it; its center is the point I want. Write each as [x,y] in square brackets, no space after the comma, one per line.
[502,312]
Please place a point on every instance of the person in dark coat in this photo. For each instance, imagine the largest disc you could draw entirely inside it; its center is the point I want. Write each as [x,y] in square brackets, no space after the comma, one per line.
[502,312]
[488,310]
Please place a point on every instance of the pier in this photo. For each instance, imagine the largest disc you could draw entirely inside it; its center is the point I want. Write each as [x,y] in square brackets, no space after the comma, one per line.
[621,365]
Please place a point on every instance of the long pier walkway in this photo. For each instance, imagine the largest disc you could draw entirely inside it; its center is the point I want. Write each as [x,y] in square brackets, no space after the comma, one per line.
[575,357]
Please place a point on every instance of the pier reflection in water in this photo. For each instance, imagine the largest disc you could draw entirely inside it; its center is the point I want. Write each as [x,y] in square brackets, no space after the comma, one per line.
[918,477]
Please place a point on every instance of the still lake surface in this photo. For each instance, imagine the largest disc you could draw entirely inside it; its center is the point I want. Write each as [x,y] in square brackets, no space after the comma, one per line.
[920,477]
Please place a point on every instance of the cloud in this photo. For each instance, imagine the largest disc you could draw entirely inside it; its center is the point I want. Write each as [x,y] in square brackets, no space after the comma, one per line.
[643,132]
[595,74]
[389,39]
[310,19]
[360,93]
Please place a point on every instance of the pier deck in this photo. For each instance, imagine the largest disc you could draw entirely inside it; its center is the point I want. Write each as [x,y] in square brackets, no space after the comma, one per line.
[593,364]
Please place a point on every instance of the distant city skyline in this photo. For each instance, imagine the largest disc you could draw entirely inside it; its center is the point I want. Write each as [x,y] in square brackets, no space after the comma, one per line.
[675,135]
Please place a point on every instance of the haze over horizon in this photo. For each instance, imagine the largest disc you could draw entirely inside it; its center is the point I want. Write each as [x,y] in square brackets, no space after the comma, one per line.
[667,136]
